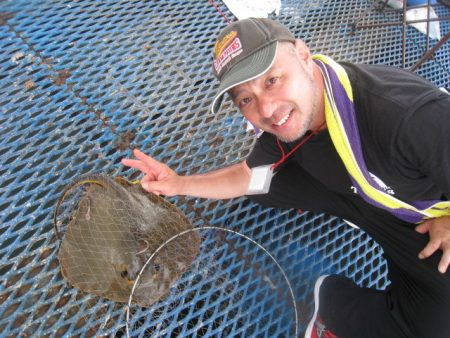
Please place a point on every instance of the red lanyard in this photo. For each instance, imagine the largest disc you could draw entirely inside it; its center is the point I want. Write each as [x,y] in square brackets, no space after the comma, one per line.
[285,156]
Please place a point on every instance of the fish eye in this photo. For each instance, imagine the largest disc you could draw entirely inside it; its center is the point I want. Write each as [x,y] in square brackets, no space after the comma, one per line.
[124,274]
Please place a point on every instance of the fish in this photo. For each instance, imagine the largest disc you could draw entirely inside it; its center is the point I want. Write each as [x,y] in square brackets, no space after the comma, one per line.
[114,229]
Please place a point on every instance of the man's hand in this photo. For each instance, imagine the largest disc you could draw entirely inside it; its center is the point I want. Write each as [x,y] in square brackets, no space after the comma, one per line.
[227,182]
[159,178]
[439,231]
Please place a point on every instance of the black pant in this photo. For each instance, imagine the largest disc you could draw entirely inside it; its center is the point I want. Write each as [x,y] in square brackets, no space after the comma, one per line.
[416,303]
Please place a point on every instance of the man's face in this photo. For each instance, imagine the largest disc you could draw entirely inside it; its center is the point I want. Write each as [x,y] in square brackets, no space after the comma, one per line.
[285,101]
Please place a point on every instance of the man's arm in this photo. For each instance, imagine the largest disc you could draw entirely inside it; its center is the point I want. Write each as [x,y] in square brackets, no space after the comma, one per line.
[428,138]
[223,183]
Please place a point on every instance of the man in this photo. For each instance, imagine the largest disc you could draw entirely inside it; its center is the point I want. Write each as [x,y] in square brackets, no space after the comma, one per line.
[370,144]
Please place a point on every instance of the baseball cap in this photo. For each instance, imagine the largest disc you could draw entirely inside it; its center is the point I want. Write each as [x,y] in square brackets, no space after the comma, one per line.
[245,50]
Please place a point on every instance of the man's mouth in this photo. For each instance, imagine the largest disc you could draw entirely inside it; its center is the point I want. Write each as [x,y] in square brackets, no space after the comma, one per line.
[282,120]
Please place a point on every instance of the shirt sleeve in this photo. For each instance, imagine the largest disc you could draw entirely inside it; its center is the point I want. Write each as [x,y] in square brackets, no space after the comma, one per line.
[425,140]
[265,151]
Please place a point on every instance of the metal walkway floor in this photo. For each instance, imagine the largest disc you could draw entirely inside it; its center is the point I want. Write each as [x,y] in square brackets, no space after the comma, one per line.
[83,82]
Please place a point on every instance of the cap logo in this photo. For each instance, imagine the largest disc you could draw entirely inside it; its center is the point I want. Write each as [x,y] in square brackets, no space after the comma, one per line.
[221,44]
[226,49]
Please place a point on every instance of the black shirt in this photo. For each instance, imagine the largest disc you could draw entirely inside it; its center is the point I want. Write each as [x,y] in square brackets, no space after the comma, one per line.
[404,125]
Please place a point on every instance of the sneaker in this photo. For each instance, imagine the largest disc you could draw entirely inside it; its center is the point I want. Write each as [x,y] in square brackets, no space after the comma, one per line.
[316,327]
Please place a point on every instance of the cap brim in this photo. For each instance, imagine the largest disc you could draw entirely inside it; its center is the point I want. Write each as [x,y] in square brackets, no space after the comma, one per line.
[248,69]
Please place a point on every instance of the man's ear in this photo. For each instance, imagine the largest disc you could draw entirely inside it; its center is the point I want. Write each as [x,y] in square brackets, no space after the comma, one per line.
[303,52]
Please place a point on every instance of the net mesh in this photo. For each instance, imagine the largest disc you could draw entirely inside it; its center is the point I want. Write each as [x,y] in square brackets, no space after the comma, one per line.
[82,82]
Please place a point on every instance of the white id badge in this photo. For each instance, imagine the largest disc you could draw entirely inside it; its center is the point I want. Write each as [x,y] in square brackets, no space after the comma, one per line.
[260,180]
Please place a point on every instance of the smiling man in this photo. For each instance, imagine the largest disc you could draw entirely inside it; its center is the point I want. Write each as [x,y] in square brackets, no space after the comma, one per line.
[370,144]
[273,100]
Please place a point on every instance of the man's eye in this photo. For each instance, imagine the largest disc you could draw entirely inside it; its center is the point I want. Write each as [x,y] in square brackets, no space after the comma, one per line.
[272,80]
[244,101]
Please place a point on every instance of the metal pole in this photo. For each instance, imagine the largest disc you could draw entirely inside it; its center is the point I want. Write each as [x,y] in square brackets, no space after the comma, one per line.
[404,34]
[396,23]
[428,25]
[430,53]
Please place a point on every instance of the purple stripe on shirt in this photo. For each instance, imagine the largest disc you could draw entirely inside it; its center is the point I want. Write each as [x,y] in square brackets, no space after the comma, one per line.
[347,115]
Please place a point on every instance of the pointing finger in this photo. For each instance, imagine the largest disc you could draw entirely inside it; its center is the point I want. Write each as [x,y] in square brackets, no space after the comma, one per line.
[136,164]
[150,162]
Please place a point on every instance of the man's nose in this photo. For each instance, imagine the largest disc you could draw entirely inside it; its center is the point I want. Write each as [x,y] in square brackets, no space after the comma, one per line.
[265,106]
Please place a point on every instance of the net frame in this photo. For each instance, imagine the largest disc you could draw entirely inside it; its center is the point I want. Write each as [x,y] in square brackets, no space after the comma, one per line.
[215,228]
